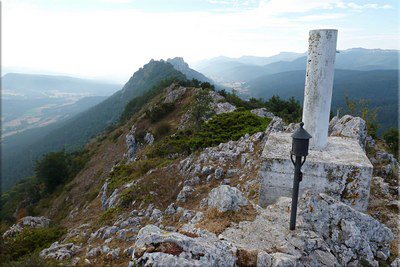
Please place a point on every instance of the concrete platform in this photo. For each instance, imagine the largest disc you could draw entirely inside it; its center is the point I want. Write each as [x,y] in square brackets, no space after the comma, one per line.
[342,170]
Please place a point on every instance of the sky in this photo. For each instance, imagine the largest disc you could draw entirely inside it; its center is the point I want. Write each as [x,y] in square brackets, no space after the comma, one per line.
[111,39]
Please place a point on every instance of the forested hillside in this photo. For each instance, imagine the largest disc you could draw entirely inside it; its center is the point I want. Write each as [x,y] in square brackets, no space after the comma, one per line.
[378,87]
[73,133]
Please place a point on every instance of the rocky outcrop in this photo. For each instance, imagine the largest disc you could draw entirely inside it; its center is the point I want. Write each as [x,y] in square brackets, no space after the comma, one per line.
[226,198]
[26,222]
[149,138]
[349,126]
[60,251]
[180,65]
[263,113]
[184,193]
[276,125]
[225,107]
[351,235]
[132,145]
[154,247]
[175,94]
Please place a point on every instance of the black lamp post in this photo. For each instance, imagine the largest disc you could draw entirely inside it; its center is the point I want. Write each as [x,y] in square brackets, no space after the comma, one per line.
[299,149]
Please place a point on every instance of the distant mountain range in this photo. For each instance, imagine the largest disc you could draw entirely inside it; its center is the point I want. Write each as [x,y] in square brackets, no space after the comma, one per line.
[224,69]
[283,75]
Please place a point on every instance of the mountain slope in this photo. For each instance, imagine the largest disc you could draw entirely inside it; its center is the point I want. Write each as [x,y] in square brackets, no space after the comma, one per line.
[379,87]
[144,198]
[75,132]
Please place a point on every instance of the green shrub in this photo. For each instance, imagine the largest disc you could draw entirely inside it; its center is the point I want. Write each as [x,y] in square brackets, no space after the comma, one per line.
[30,241]
[52,169]
[126,173]
[137,103]
[114,136]
[361,109]
[108,216]
[162,129]
[289,110]
[391,138]
[201,109]
[140,135]
[219,129]
[33,260]
[160,111]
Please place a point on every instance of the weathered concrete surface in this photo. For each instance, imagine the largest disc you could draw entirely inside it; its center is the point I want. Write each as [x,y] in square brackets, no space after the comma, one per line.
[318,85]
[342,170]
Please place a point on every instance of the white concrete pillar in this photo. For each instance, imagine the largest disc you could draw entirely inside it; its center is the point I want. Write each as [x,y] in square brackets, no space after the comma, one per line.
[318,87]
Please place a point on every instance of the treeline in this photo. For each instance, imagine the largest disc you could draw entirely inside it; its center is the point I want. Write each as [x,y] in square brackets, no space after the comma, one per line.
[51,173]
[289,110]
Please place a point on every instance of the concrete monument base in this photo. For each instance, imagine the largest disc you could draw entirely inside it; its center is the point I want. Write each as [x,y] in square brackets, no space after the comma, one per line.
[342,170]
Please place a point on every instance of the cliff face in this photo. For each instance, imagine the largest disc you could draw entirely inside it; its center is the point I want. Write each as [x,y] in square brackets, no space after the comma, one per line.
[180,65]
[162,191]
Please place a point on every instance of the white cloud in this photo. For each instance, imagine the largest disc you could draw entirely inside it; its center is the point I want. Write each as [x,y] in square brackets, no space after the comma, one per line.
[322,17]
[112,42]
[353,5]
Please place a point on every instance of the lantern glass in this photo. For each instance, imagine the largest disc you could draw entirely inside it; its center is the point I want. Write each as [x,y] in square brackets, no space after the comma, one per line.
[300,147]
[300,142]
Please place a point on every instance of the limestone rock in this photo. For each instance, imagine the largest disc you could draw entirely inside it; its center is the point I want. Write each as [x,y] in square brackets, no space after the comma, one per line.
[198,217]
[154,247]
[94,252]
[349,233]
[113,254]
[395,263]
[262,112]
[276,125]
[170,210]
[60,251]
[175,94]
[283,260]
[156,215]
[215,96]
[112,201]
[225,107]
[149,138]
[264,259]
[219,172]
[349,126]
[291,127]
[184,193]
[226,198]
[34,222]
[132,145]
[186,216]
[30,222]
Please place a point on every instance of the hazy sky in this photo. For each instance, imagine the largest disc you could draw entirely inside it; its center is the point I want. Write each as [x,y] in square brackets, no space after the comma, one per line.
[111,39]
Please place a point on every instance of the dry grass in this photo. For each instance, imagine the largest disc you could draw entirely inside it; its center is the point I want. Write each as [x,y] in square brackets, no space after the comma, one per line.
[247,258]
[216,222]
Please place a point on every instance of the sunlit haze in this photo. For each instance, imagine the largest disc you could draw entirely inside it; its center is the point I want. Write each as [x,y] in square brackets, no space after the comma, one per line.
[111,39]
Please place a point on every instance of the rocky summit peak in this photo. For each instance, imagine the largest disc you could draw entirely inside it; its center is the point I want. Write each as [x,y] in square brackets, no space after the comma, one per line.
[179,64]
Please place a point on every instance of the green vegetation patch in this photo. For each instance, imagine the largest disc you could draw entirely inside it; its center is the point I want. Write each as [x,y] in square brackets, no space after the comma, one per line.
[160,111]
[219,129]
[289,110]
[126,173]
[29,242]
[107,217]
